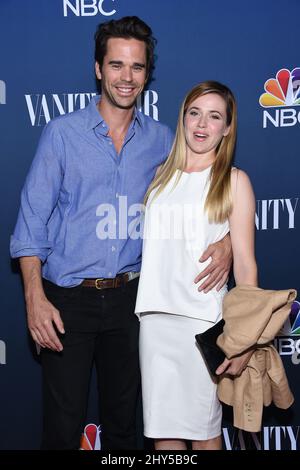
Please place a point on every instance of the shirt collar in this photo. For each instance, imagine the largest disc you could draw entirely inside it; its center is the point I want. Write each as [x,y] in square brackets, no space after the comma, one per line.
[94,118]
[137,116]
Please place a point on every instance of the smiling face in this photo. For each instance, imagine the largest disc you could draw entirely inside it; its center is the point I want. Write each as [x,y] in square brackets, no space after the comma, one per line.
[123,73]
[205,124]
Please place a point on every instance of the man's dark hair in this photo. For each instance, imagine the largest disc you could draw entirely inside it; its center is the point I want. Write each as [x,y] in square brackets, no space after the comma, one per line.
[126,27]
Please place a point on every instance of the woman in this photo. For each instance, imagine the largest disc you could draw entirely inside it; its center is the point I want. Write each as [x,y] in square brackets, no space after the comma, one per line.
[194,200]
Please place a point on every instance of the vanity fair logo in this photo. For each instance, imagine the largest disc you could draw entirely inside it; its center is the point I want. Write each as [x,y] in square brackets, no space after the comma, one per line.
[42,108]
[2,92]
[2,353]
[270,438]
[282,92]
[147,102]
[274,214]
[89,7]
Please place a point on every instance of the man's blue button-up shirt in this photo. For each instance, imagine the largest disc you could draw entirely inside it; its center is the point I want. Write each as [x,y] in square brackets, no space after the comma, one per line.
[80,205]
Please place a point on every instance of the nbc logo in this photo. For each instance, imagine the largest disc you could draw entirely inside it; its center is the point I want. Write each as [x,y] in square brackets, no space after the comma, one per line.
[90,439]
[292,324]
[87,8]
[282,92]
[288,339]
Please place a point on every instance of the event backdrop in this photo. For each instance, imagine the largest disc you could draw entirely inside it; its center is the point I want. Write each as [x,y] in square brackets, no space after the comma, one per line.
[46,69]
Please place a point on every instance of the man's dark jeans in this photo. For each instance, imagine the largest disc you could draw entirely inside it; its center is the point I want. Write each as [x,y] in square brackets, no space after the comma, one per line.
[101,327]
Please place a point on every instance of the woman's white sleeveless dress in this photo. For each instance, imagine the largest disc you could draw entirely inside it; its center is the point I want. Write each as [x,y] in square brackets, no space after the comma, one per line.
[179,395]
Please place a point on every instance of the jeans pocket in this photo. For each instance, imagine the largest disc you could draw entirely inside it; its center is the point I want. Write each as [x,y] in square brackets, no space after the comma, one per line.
[57,294]
[131,289]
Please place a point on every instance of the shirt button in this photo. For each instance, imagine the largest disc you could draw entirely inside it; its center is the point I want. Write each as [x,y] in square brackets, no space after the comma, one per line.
[103,125]
[110,143]
[113,248]
[117,194]
[109,274]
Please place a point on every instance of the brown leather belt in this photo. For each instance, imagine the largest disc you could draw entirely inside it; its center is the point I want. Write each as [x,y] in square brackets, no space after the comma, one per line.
[110,283]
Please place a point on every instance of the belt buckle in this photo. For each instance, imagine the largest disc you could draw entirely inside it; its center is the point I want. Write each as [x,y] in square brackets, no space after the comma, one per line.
[98,280]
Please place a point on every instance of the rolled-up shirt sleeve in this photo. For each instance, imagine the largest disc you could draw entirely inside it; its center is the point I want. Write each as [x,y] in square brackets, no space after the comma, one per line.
[39,197]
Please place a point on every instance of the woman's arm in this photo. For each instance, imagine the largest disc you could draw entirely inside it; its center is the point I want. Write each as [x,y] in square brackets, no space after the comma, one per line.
[242,230]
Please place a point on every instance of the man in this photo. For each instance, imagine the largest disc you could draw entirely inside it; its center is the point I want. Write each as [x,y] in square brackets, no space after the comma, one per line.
[80,280]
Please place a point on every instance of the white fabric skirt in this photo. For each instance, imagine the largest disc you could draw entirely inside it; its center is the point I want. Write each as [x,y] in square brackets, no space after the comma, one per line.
[179,395]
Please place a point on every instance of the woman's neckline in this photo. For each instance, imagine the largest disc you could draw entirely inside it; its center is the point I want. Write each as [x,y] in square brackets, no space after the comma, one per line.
[196,172]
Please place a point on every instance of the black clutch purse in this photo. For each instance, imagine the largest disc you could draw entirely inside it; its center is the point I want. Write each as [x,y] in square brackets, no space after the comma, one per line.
[207,342]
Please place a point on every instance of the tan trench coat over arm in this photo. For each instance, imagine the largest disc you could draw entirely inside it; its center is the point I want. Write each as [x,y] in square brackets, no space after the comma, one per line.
[253,317]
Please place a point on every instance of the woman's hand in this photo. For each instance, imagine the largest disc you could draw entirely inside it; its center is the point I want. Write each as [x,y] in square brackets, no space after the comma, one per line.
[236,365]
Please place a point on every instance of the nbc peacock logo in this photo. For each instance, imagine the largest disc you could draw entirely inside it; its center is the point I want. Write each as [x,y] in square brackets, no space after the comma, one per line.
[282,93]
[292,325]
[284,90]
[287,341]
[90,439]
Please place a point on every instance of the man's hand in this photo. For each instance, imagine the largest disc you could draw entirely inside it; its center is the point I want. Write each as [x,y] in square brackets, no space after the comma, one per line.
[41,315]
[236,365]
[218,269]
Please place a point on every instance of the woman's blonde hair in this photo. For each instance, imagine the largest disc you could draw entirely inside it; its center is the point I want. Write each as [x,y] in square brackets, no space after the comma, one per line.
[218,203]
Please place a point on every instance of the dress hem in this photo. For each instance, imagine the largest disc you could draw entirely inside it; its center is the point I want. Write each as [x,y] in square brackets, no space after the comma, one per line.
[179,435]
